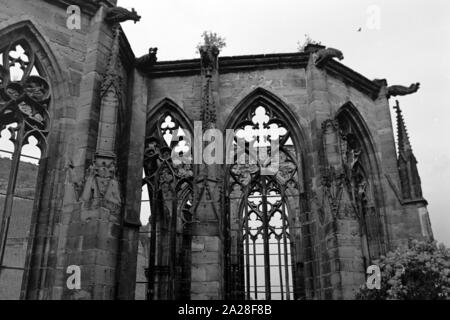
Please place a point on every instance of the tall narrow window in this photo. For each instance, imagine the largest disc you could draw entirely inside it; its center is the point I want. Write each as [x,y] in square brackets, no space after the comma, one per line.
[264,208]
[144,244]
[357,163]
[165,240]
[24,122]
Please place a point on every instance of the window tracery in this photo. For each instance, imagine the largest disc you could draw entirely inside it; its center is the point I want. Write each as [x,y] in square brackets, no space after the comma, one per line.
[168,186]
[24,124]
[263,191]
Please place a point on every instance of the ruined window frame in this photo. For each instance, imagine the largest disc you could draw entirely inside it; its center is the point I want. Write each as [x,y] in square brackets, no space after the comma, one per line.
[178,178]
[234,273]
[362,172]
[26,103]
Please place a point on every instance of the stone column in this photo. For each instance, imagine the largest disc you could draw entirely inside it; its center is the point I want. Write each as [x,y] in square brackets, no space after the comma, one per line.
[343,244]
[336,256]
[126,277]
[392,210]
[207,232]
[91,214]
[317,260]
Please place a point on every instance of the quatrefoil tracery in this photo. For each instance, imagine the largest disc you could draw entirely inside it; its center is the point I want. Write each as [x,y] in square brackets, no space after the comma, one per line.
[260,129]
[24,94]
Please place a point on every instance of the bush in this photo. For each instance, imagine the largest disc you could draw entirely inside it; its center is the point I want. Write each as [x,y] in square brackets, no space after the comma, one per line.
[212,39]
[308,40]
[419,272]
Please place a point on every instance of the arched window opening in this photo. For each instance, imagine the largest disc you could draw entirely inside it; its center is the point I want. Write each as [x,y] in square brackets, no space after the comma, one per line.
[24,122]
[356,159]
[165,236]
[144,244]
[263,208]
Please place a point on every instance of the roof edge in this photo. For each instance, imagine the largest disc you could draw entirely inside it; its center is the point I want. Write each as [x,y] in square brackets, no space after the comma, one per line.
[87,6]
[228,64]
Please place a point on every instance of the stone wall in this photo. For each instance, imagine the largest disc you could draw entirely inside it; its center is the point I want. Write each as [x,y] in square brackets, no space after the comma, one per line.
[67,230]
[332,251]
[90,218]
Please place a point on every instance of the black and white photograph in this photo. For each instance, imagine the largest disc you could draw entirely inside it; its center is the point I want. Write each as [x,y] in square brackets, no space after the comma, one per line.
[224,155]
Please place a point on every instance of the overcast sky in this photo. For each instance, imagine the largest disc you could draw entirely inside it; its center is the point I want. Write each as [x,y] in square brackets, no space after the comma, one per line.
[411,45]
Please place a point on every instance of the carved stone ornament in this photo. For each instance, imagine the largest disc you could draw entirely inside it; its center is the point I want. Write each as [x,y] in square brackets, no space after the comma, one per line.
[147,61]
[333,183]
[324,55]
[286,169]
[209,63]
[208,106]
[208,58]
[350,151]
[347,208]
[330,125]
[157,157]
[112,80]
[71,186]
[244,172]
[397,90]
[101,182]
[118,14]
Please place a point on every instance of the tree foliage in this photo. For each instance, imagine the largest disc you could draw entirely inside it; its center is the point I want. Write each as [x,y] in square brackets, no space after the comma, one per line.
[308,40]
[212,39]
[420,271]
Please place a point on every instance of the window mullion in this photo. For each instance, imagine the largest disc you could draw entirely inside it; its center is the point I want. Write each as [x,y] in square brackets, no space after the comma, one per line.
[6,217]
[280,269]
[286,260]
[151,260]
[173,248]
[255,269]
[247,248]
[266,239]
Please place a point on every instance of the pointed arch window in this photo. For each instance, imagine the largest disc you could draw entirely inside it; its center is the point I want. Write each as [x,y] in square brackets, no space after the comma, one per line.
[165,238]
[24,125]
[357,163]
[263,208]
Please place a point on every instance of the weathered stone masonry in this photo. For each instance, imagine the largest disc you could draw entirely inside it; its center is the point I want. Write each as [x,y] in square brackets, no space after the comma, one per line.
[354,197]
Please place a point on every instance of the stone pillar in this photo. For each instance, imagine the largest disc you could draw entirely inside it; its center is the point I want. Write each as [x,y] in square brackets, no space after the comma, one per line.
[345,242]
[90,227]
[337,253]
[390,181]
[207,232]
[126,277]
[317,261]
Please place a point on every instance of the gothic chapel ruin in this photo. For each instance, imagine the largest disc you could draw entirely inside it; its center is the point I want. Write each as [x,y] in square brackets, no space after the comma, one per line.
[88,179]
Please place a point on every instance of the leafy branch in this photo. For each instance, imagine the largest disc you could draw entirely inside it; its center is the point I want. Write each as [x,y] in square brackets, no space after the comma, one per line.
[308,40]
[212,39]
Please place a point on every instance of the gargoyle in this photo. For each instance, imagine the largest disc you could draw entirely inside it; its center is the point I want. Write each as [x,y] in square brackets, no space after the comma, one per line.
[393,91]
[146,61]
[324,55]
[118,14]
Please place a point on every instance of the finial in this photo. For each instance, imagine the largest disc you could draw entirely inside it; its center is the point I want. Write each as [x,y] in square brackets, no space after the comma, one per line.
[404,144]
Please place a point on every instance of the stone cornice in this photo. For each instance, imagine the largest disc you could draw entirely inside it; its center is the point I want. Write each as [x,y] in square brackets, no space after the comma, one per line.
[265,61]
[231,64]
[262,61]
[419,201]
[353,78]
[89,7]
